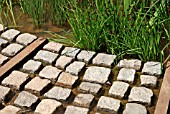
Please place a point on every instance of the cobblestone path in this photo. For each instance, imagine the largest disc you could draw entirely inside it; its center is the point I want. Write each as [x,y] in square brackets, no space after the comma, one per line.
[65,80]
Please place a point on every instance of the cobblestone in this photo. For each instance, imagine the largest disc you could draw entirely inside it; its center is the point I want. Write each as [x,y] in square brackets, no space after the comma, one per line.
[148,80]
[12,49]
[141,94]
[75,67]
[152,68]
[47,106]
[25,99]
[50,72]
[133,108]
[4,93]
[26,38]
[90,87]
[104,59]
[16,79]
[58,93]
[46,56]
[70,51]
[84,100]
[1,27]
[108,104]
[37,85]
[76,110]
[126,75]
[67,79]
[85,56]
[54,47]
[3,59]
[63,61]
[10,110]
[132,64]
[118,89]
[32,66]
[97,74]
[3,42]
[10,34]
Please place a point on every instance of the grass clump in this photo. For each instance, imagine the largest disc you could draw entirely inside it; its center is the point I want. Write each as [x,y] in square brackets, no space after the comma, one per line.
[134,28]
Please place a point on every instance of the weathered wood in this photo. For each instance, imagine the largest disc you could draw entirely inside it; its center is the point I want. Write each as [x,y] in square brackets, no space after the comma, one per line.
[20,56]
[164,95]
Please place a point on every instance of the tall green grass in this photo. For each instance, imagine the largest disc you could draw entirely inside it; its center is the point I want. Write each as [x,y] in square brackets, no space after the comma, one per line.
[135,28]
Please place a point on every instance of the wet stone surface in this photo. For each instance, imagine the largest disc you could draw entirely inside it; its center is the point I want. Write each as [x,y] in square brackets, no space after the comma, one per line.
[25,38]
[66,80]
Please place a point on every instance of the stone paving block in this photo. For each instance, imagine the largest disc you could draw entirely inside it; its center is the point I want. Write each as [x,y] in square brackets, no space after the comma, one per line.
[58,93]
[134,108]
[3,42]
[54,47]
[26,38]
[152,68]
[148,80]
[63,61]
[108,104]
[126,75]
[12,49]
[50,72]
[32,66]
[47,106]
[3,59]
[141,94]
[46,56]
[26,99]
[132,64]
[103,59]
[70,52]
[10,34]
[10,110]
[90,87]
[76,110]
[97,74]
[85,56]
[84,100]
[37,85]
[1,27]
[16,79]
[75,68]
[67,79]
[4,93]
[118,89]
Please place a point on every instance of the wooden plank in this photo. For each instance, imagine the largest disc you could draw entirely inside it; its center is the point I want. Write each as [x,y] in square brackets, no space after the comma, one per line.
[20,56]
[164,95]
